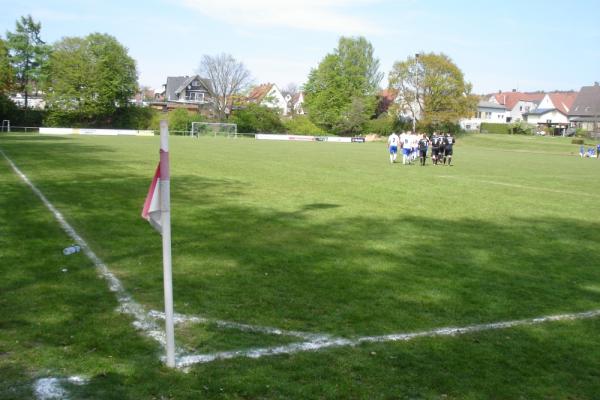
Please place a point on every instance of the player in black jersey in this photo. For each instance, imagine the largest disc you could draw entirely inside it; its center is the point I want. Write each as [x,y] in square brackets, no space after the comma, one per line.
[435,148]
[448,143]
[423,144]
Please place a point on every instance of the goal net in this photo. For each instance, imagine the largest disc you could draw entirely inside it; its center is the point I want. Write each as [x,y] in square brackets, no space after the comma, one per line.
[214,129]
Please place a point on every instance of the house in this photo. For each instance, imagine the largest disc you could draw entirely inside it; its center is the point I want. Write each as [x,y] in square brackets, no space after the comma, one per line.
[585,112]
[295,103]
[35,101]
[268,95]
[552,112]
[487,111]
[189,92]
[517,103]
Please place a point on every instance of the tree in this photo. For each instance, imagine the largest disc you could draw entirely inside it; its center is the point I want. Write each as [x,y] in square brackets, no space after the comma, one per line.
[28,53]
[344,83]
[256,118]
[91,77]
[432,90]
[6,72]
[227,76]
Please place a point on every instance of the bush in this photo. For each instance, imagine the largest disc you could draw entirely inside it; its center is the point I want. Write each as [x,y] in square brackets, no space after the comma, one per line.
[577,141]
[255,119]
[180,120]
[302,125]
[19,116]
[382,126]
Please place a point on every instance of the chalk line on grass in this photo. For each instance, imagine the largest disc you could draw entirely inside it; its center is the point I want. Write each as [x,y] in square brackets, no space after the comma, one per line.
[331,342]
[52,388]
[146,321]
[517,186]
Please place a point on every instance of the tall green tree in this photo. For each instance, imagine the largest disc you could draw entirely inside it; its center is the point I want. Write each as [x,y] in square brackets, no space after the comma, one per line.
[28,53]
[6,72]
[90,77]
[340,92]
[432,90]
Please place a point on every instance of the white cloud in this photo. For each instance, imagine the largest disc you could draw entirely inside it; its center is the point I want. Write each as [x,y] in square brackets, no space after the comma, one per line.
[312,15]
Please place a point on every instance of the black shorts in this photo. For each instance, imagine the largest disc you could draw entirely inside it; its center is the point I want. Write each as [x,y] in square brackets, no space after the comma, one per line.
[435,151]
[423,153]
[448,151]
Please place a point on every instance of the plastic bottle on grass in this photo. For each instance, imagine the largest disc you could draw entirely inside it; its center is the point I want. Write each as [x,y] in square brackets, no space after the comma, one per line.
[71,249]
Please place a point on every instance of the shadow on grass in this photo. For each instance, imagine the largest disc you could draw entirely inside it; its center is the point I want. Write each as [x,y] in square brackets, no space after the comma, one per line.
[312,268]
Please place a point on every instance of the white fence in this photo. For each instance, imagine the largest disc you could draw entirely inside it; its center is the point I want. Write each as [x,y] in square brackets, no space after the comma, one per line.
[99,132]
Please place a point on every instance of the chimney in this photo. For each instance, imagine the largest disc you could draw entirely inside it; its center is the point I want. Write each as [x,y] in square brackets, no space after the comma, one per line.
[514,90]
[596,84]
[499,91]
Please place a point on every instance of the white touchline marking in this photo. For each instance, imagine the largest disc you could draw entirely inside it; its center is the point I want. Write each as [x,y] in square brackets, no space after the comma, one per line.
[182,319]
[51,388]
[516,185]
[189,360]
[145,321]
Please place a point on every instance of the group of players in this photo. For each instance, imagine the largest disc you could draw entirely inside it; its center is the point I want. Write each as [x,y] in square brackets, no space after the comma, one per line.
[415,146]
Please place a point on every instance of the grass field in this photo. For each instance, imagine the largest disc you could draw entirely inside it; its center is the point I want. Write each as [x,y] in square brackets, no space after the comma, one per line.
[321,238]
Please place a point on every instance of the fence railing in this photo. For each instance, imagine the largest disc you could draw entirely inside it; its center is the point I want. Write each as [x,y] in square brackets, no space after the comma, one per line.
[20,129]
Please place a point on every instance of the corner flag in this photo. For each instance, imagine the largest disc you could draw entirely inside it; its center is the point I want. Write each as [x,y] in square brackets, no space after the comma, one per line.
[157,210]
[151,211]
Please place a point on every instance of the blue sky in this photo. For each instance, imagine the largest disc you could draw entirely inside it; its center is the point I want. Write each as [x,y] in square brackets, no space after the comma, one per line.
[525,45]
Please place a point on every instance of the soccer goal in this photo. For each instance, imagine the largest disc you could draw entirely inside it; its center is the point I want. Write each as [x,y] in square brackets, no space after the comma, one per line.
[214,129]
[5,125]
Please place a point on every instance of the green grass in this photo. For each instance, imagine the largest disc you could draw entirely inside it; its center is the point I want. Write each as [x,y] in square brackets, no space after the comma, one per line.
[315,237]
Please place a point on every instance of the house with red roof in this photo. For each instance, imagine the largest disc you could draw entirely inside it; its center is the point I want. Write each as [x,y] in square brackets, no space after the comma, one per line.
[517,103]
[269,95]
[552,112]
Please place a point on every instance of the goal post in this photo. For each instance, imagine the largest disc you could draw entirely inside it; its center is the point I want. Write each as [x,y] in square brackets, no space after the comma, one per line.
[214,129]
[5,125]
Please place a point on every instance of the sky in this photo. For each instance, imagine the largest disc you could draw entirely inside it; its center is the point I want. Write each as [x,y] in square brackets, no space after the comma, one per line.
[526,45]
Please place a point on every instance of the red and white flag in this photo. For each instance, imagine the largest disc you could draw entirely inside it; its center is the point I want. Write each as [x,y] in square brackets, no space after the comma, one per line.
[152,210]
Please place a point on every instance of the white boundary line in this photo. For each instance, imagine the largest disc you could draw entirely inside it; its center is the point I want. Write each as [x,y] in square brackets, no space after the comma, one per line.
[189,360]
[146,321]
[517,186]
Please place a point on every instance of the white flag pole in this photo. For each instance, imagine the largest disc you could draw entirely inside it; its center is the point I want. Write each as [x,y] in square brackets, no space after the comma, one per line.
[165,202]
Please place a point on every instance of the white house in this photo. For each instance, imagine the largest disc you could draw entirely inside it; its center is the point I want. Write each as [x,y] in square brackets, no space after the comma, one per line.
[487,111]
[552,112]
[517,103]
[269,95]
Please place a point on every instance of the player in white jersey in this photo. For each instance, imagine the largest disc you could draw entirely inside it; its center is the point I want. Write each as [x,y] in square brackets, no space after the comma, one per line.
[393,142]
[406,148]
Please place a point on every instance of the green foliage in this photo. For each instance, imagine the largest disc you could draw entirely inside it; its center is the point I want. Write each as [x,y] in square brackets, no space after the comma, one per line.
[180,120]
[520,128]
[383,125]
[28,54]
[302,125]
[432,89]
[6,71]
[582,133]
[89,79]
[577,141]
[256,118]
[19,116]
[340,92]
